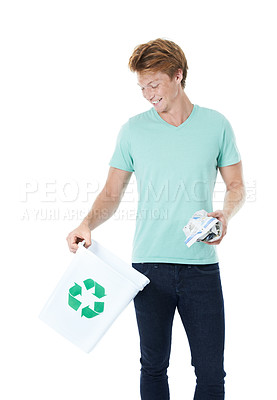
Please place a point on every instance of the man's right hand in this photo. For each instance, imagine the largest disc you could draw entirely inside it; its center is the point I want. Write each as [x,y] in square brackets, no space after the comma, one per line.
[82,232]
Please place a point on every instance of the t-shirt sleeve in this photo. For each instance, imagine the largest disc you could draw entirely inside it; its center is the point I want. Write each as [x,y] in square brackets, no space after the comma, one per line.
[122,156]
[228,153]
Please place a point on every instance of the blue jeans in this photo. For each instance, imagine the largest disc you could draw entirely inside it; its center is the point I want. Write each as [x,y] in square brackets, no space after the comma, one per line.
[197,293]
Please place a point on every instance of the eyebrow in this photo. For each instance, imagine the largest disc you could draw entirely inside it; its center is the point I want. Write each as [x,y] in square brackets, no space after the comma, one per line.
[149,82]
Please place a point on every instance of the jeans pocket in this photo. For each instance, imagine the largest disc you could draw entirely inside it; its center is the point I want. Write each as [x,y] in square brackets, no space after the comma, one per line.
[207,268]
[143,268]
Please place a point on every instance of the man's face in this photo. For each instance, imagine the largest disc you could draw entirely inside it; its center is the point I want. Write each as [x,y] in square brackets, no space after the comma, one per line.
[159,90]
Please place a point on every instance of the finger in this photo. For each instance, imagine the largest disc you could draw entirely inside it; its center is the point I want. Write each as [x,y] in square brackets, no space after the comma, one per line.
[214,214]
[217,241]
[73,248]
[212,243]
[88,243]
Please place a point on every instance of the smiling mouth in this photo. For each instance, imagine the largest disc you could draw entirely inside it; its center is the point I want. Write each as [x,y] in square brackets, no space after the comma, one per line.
[156,102]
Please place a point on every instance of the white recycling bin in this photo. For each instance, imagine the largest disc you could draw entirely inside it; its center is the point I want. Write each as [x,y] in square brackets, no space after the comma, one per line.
[94,290]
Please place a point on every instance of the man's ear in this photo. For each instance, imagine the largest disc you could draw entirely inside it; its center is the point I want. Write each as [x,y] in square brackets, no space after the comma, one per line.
[179,75]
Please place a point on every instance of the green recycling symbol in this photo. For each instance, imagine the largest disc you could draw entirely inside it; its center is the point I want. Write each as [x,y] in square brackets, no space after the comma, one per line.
[77,290]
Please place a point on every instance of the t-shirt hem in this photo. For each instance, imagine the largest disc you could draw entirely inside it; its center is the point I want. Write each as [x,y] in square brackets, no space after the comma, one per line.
[118,166]
[175,260]
[230,162]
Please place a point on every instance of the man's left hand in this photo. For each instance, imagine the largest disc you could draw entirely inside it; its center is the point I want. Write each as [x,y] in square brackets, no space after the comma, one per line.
[221,215]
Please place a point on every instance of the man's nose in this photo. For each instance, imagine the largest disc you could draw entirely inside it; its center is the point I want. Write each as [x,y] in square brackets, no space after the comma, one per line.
[149,93]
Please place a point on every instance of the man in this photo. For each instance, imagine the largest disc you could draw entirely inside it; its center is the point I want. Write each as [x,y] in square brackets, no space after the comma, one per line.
[175,150]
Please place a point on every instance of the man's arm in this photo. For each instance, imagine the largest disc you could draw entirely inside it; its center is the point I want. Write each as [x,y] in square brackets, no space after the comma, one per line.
[104,206]
[235,190]
[234,197]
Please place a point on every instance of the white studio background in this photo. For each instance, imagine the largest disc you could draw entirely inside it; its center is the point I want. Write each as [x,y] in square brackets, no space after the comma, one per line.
[65,92]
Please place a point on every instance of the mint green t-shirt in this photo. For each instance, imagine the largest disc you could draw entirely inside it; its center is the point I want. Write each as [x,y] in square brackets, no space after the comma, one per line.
[176,170]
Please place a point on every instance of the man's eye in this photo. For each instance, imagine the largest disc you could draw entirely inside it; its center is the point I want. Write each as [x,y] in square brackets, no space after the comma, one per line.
[153,87]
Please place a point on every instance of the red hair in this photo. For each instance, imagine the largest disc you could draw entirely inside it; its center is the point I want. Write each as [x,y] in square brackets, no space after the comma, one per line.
[159,55]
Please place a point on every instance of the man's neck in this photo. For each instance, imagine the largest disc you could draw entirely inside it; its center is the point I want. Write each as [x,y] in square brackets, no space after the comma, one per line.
[179,111]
